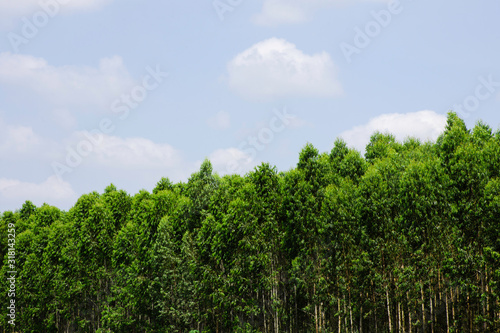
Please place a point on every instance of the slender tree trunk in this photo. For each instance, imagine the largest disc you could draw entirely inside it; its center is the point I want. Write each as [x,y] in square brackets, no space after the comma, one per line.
[423,306]
[315,308]
[350,308]
[452,307]
[264,312]
[404,319]
[399,317]
[276,314]
[316,317]
[469,311]
[340,317]
[361,319]
[289,311]
[375,312]
[409,321]
[435,303]
[488,300]
[447,313]
[319,317]
[487,295]
[388,308]
[483,295]
[409,312]
[295,300]
[345,311]
[432,312]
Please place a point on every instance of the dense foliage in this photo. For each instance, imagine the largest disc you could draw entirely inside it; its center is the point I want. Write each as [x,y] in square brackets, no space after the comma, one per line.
[404,239]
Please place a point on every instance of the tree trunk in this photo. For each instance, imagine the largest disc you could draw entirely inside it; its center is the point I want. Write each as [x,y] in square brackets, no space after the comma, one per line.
[315,308]
[350,309]
[361,319]
[432,313]
[452,307]
[403,319]
[399,317]
[340,317]
[469,311]
[483,305]
[447,313]
[276,314]
[423,306]
[264,312]
[345,311]
[388,308]
[409,312]
[375,314]
[295,301]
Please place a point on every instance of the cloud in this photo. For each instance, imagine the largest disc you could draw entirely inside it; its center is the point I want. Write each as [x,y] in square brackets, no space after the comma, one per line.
[231,161]
[64,118]
[124,153]
[139,154]
[18,139]
[275,12]
[12,10]
[135,162]
[23,143]
[66,86]
[221,120]
[424,125]
[276,68]
[13,193]
[132,162]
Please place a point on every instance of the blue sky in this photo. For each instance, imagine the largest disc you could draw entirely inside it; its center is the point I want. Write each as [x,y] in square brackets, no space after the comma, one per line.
[94,92]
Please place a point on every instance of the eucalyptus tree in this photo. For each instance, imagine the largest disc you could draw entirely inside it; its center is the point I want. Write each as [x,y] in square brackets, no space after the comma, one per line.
[402,239]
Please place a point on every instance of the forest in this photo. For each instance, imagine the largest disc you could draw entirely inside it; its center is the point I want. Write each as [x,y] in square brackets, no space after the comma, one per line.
[402,238]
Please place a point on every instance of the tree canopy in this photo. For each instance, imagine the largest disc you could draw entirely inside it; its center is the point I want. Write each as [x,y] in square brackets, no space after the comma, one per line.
[403,239]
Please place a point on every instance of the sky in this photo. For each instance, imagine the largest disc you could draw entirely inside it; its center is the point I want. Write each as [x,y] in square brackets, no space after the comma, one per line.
[94,92]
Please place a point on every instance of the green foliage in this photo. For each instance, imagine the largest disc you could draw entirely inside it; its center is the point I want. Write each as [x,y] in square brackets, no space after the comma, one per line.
[405,238]
[380,146]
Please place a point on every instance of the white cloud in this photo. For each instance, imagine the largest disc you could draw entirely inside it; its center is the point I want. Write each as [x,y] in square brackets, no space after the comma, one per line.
[64,118]
[22,142]
[66,86]
[424,125]
[11,10]
[231,161]
[13,193]
[276,68]
[276,12]
[221,120]
[125,153]
[135,162]
[18,139]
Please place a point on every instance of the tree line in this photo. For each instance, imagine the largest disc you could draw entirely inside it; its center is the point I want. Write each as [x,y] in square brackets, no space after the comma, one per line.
[403,239]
